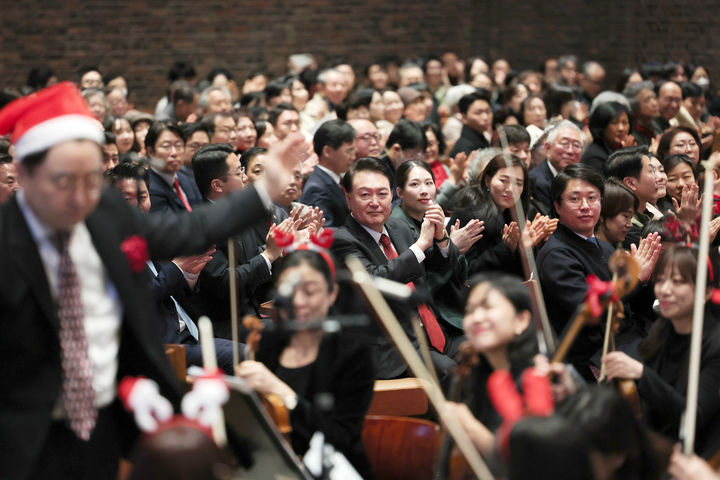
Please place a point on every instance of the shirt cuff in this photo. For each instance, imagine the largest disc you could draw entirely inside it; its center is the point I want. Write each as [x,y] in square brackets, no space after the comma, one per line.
[419,254]
[267,262]
[190,278]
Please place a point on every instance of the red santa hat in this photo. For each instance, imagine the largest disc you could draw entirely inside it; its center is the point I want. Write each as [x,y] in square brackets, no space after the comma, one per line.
[51,116]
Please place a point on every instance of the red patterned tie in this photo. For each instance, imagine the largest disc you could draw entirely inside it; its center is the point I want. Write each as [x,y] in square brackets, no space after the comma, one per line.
[182,196]
[432,327]
[78,393]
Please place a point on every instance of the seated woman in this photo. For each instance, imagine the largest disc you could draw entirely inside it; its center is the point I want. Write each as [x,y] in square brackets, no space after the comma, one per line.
[682,181]
[497,326]
[618,207]
[610,128]
[299,364]
[662,375]
[679,140]
[498,249]
[533,111]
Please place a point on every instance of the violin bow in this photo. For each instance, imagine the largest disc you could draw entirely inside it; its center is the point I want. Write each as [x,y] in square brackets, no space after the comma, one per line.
[233,300]
[688,422]
[361,277]
[546,337]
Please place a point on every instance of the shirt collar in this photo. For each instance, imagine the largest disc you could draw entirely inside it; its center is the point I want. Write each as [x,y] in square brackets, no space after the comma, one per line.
[169,178]
[552,169]
[373,233]
[333,175]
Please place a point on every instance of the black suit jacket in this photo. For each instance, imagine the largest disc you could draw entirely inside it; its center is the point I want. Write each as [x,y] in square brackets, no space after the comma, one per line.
[353,239]
[469,140]
[164,199]
[543,178]
[29,345]
[169,281]
[322,191]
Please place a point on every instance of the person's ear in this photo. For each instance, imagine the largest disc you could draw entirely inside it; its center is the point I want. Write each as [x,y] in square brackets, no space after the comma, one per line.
[522,321]
[216,185]
[630,182]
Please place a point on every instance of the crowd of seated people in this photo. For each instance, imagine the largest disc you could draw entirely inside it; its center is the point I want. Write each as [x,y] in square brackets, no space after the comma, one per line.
[443,174]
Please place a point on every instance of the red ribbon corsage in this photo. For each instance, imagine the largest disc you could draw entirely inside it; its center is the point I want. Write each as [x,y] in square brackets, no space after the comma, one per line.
[136,251]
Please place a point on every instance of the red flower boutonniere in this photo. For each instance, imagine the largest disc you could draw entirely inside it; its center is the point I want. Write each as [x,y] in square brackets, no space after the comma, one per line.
[135,249]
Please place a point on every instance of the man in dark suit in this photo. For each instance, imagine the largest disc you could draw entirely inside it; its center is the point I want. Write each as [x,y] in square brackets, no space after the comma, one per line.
[218,173]
[477,122]
[387,248]
[333,144]
[564,147]
[171,190]
[54,428]
[571,254]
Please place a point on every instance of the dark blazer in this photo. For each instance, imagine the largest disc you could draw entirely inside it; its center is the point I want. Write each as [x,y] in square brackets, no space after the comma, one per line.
[596,155]
[564,263]
[322,191]
[663,386]
[169,281]
[164,199]
[343,368]
[29,345]
[542,178]
[469,140]
[353,239]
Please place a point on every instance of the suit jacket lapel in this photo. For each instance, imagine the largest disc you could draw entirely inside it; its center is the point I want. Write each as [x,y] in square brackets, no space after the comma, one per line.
[168,189]
[24,253]
[374,252]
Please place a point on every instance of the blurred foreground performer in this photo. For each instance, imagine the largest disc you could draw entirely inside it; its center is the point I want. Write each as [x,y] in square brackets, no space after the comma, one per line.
[75,308]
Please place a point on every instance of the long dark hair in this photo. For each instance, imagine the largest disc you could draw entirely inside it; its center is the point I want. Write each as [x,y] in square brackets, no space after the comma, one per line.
[497,163]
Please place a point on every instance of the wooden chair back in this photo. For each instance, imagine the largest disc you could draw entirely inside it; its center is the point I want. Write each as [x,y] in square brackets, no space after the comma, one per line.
[402,397]
[400,448]
[176,355]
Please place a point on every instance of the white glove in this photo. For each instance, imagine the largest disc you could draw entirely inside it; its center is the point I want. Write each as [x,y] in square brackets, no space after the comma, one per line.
[204,402]
[142,397]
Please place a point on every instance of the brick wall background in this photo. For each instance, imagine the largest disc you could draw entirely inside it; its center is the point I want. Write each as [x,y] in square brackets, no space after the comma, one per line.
[142,39]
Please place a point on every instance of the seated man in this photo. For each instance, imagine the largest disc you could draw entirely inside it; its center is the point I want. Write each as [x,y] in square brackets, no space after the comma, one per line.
[564,147]
[170,189]
[333,144]
[477,122]
[571,254]
[171,282]
[632,166]
[218,173]
[385,247]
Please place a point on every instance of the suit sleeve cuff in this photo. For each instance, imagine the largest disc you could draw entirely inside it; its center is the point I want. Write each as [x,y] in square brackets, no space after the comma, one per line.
[419,254]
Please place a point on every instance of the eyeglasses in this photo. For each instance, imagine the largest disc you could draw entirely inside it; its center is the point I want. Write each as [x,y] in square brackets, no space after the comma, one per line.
[239,173]
[179,146]
[566,144]
[577,200]
[370,136]
[686,145]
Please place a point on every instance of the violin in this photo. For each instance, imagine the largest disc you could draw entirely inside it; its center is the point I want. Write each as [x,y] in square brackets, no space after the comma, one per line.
[625,278]
[272,403]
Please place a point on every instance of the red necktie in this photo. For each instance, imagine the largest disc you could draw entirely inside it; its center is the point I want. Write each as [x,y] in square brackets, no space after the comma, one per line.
[78,393]
[432,327]
[180,194]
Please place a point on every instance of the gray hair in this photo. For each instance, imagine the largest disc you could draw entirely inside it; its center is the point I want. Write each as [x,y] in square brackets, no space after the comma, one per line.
[204,100]
[564,124]
[478,162]
[631,93]
[322,77]
[606,97]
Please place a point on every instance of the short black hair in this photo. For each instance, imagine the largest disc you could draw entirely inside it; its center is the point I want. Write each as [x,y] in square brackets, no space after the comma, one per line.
[602,116]
[576,171]
[156,129]
[275,87]
[617,198]
[125,170]
[626,162]
[371,164]
[249,154]
[277,110]
[690,90]
[333,134]
[189,128]
[219,71]
[181,90]
[428,125]
[515,134]
[38,77]
[209,163]
[467,100]
[408,135]
[109,137]
[672,161]
[208,121]
[663,148]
